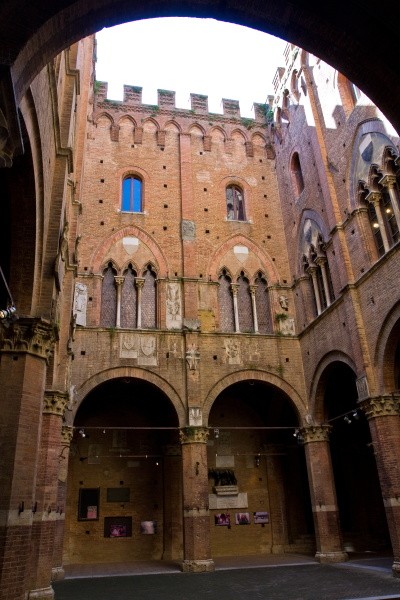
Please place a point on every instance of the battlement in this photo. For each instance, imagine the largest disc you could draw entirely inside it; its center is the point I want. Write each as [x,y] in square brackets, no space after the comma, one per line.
[166,100]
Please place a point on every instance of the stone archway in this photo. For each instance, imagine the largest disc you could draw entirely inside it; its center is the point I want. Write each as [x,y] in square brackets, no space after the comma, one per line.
[124,479]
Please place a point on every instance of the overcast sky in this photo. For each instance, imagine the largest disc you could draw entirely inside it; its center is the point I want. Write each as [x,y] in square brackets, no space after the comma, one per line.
[201,56]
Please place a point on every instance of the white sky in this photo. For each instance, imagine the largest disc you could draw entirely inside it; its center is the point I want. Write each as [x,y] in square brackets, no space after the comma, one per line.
[200,56]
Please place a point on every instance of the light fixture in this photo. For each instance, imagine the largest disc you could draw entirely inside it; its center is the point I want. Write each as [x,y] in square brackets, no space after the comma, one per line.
[347,419]
[355,415]
[295,433]
[257,460]
[82,433]
[216,433]
[375,225]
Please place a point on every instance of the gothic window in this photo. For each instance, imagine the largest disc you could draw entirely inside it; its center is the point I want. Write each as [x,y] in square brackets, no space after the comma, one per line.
[108,313]
[148,299]
[297,175]
[245,310]
[129,300]
[225,302]
[132,194]
[316,266]
[392,225]
[373,219]
[235,203]
[262,304]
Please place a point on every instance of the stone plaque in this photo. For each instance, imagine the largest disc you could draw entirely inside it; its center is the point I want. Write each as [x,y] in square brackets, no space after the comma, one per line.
[232,350]
[216,502]
[148,350]
[129,345]
[362,387]
[224,462]
[80,303]
[188,230]
[174,306]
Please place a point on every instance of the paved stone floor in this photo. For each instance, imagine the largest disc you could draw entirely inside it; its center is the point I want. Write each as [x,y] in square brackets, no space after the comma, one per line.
[288,577]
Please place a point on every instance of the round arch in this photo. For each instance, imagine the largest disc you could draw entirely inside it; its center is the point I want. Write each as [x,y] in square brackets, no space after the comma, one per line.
[131,372]
[316,393]
[261,376]
[388,339]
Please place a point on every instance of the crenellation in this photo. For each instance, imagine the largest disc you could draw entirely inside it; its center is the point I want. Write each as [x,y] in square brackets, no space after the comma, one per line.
[231,108]
[199,103]
[132,95]
[166,98]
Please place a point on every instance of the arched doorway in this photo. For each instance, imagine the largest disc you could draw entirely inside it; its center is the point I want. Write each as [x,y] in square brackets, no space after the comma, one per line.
[124,481]
[359,497]
[254,446]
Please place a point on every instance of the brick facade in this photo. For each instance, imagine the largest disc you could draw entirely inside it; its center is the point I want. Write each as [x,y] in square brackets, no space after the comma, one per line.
[210,358]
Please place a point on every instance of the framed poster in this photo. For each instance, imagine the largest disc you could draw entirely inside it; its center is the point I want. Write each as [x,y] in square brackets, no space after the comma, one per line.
[261,518]
[242,518]
[88,504]
[223,519]
[117,527]
[148,527]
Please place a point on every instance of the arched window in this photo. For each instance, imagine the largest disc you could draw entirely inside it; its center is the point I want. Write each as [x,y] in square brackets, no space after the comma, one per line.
[225,302]
[148,299]
[108,313]
[129,300]
[132,194]
[245,310]
[297,175]
[316,265]
[235,203]
[262,304]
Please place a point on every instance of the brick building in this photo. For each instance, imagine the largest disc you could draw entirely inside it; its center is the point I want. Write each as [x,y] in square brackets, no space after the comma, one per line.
[215,340]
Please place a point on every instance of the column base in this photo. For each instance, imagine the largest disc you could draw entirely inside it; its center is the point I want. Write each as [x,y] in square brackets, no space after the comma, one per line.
[57,573]
[41,594]
[198,566]
[331,557]
[396,568]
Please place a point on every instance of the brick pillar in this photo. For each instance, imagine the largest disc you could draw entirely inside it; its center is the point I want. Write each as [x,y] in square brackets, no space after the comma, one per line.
[46,511]
[196,515]
[173,545]
[57,571]
[277,503]
[382,413]
[323,494]
[25,347]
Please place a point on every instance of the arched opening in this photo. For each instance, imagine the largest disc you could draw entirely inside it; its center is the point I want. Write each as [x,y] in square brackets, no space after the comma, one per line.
[359,498]
[253,447]
[124,480]
[18,230]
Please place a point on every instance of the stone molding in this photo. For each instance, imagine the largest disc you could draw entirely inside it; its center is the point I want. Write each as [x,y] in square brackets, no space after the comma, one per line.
[381,406]
[54,402]
[34,336]
[316,433]
[190,435]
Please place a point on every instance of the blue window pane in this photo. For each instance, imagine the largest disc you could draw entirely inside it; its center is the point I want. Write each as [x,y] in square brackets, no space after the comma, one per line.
[131,195]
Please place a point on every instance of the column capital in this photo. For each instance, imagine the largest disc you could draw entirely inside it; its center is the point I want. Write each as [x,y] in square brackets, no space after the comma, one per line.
[67,433]
[27,335]
[381,406]
[55,402]
[190,435]
[119,280]
[235,288]
[389,179]
[253,288]
[373,197]
[315,433]
[139,282]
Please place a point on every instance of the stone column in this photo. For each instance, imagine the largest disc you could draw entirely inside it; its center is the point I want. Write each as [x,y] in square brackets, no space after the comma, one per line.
[235,289]
[57,571]
[139,282]
[173,540]
[313,272]
[323,494]
[375,198]
[391,182]
[382,413]
[25,347]
[321,262]
[118,282]
[254,306]
[46,511]
[196,514]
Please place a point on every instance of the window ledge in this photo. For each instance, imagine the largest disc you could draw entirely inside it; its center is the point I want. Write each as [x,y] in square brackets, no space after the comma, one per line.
[131,212]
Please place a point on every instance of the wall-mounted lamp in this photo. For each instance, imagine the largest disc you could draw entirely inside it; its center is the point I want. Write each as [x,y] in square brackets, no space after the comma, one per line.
[257,460]
[347,419]
[216,433]
[355,415]
[82,433]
